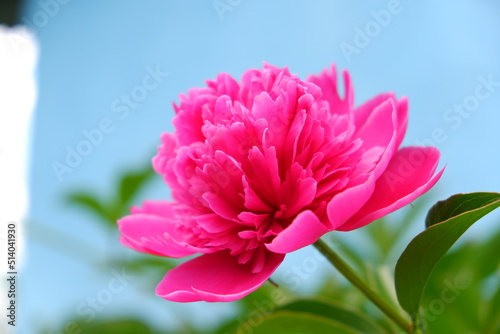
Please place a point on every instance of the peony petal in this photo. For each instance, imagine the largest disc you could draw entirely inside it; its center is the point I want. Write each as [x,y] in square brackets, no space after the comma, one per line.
[125,242]
[165,152]
[220,206]
[254,202]
[345,204]
[188,121]
[263,175]
[298,194]
[234,139]
[154,229]
[379,130]
[408,176]
[225,84]
[157,208]
[327,81]
[304,230]
[149,234]
[364,111]
[402,120]
[216,277]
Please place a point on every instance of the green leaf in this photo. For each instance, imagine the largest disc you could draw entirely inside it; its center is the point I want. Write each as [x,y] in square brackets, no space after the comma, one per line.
[106,213]
[131,183]
[125,326]
[287,322]
[89,202]
[484,262]
[144,263]
[447,220]
[493,316]
[113,326]
[335,312]
[458,204]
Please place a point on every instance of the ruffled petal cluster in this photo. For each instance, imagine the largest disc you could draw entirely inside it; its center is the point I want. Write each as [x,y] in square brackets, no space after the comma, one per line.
[265,166]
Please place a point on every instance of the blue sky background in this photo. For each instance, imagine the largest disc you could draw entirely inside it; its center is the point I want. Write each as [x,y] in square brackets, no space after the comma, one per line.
[92,52]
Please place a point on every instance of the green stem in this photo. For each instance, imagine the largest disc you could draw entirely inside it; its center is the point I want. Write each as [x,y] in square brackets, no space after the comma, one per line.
[352,277]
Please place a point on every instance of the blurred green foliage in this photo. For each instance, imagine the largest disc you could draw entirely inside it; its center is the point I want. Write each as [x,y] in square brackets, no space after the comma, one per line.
[461,296]
[109,210]
[113,326]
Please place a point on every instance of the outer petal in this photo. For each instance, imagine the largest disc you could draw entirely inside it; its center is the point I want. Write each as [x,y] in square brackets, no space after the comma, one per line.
[362,112]
[188,121]
[347,203]
[153,229]
[402,119]
[327,81]
[409,175]
[165,152]
[155,208]
[216,277]
[305,229]
[379,131]
[150,234]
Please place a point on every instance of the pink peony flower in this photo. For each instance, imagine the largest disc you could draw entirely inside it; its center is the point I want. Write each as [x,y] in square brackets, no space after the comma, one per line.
[264,167]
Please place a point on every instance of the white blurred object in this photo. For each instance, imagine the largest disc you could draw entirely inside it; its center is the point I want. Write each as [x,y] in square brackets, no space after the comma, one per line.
[18,58]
